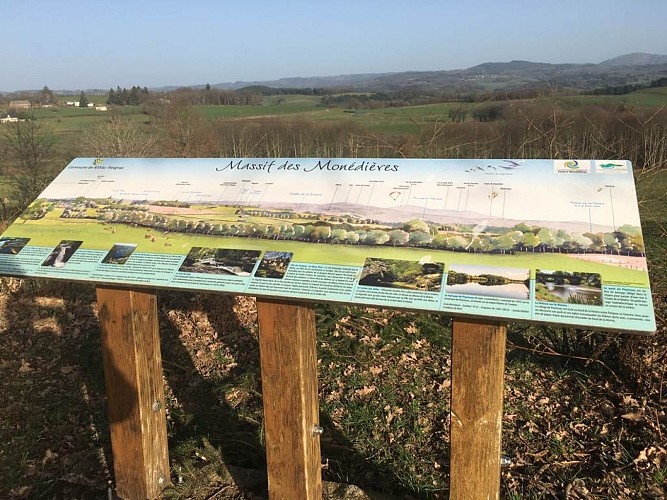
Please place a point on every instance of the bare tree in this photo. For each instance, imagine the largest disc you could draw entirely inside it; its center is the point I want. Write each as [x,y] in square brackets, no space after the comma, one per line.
[184,133]
[32,162]
[118,137]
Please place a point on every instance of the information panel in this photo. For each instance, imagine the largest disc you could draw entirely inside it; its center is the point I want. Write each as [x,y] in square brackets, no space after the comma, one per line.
[553,241]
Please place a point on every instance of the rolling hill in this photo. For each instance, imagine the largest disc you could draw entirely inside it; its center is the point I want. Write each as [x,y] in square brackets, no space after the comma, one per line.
[628,68]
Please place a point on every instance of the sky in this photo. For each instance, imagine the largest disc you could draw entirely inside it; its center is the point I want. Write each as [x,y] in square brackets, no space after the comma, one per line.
[77,44]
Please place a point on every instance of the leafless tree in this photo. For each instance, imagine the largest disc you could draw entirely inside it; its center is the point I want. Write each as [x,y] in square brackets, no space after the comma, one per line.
[118,137]
[31,159]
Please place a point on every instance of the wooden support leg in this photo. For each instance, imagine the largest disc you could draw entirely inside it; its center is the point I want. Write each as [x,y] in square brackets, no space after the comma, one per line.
[133,376]
[478,365]
[289,390]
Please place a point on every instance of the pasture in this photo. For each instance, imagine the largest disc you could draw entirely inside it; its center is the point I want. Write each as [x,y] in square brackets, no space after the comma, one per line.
[69,120]
[408,120]
[654,97]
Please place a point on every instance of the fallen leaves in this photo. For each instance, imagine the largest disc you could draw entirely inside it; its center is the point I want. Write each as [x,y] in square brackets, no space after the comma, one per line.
[365,391]
[49,456]
[651,456]
[633,417]
[376,370]
[392,412]
[384,378]
[25,367]
[411,329]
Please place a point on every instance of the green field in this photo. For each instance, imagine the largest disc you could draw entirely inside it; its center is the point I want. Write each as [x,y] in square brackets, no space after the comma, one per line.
[403,120]
[645,97]
[392,121]
[68,119]
[98,236]
[271,107]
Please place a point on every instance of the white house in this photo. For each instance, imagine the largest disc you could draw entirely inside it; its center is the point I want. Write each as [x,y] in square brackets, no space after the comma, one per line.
[9,119]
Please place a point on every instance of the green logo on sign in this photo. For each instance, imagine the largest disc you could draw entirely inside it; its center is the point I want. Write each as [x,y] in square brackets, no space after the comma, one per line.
[610,165]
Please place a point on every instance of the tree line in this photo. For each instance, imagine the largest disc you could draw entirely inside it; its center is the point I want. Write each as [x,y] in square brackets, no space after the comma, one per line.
[213,97]
[274,91]
[124,97]
[626,240]
[629,87]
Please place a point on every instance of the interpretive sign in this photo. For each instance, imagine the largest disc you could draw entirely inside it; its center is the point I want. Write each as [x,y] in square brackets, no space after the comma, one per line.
[553,241]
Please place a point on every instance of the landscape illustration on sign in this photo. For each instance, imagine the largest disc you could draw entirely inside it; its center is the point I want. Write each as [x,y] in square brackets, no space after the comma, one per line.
[478,228]
[479,207]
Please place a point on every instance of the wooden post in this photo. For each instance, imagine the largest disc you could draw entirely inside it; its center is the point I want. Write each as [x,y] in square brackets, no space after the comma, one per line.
[133,376]
[289,390]
[478,365]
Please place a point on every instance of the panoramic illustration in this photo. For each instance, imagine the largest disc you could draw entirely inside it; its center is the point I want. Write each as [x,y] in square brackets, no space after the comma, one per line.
[468,205]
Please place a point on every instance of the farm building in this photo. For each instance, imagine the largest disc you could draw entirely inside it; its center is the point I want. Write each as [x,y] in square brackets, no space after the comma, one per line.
[9,119]
[23,104]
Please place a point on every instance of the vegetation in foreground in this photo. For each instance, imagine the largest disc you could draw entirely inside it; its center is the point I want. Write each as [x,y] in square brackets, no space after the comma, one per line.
[584,411]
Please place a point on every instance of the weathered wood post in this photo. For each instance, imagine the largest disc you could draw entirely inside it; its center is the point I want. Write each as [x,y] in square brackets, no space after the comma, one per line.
[478,365]
[289,390]
[135,393]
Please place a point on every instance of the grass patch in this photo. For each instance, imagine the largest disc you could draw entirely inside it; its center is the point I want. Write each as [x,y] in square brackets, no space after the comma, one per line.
[47,232]
[273,106]
[68,120]
[654,97]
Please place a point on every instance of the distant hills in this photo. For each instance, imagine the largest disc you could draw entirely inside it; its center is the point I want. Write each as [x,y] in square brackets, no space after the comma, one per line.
[634,68]
[440,216]
[621,70]
[636,59]
[518,66]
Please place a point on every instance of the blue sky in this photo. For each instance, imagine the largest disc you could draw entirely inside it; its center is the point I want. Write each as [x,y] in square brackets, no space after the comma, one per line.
[77,44]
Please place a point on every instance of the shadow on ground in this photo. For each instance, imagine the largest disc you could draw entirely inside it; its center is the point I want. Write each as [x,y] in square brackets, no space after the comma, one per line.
[54,425]
[54,430]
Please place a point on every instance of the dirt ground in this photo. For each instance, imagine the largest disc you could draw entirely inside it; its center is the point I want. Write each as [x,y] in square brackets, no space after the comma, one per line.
[53,422]
[575,426]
